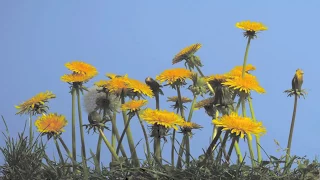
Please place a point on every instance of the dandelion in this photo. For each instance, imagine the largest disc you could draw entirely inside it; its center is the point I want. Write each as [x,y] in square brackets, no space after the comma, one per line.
[246,84]
[162,117]
[251,28]
[173,76]
[186,52]
[96,99]
[82,68]
[76,78]
[51,123]
[134,105]
[237,71]
[139,87]
[240,125]
[36,104]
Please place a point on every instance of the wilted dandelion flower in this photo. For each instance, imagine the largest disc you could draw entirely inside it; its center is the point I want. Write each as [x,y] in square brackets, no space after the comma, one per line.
[176,75]
[251,28]
[51,123]
[134,105]
[96,99]
[82,68]
[246,84]
[36,104]
[186,52]
[207,104]
[162,117]
[175,99]
[240,125]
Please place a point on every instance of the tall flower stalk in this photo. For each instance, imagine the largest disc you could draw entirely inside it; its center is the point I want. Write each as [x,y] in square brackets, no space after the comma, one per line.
[296,90]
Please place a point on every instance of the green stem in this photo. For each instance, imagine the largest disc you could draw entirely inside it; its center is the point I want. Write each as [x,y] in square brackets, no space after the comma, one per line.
[113,134]
[172,147]
[122,135]
[129,137]
[67,150]
[112,151]
[157,101]
[30,129]
[230,149]
[291,128]
[83,144]
[213,143]
[180,101]
[179,162]
[98,151]
[223,146]
[74,143]
[116,132]
[253,163]
[145,137]
[59,151]
[238,151]
[246,57]
[257,137]
[157,146]
[192,108]
[208,84]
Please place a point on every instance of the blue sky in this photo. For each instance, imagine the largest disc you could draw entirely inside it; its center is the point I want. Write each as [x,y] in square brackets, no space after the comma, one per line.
[141,37]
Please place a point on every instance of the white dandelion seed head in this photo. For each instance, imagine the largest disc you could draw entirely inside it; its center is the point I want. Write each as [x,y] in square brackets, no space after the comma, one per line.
[97,100]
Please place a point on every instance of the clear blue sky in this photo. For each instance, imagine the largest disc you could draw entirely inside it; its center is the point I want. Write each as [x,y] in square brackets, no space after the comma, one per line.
[141,37]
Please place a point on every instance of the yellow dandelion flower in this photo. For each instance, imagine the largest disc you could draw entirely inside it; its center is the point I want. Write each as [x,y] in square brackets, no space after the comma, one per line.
[175,99]
[251,26]
[190,125]
[111,75]
[216,77]
[76,78]
[246,84]
[185,52]
[174,75]
[240,125]
[82,68]
[117,85]
[134,105]
[162,117]
[237,71]
[51,123]
[139,87]
[101,83]
[35,103]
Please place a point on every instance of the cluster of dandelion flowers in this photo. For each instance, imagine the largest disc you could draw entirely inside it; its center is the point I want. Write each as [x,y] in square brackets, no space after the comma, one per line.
[186,52]
[176,75]
[240,125]
[36,104]
[251,28]
[246,84]
[134,105]
[81,72]
[162,117]
[51,123]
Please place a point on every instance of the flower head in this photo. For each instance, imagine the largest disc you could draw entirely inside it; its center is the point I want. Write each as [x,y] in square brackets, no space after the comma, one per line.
[76,78]
[251,28]
[246,84]
[51,123]
[36,104]
[173,76]
[162,117]
[237,71]
[297,82]
[175,99]
[96,99]
[207,104]
[186,52]
[82,68]
[240,125]
[134,105]
[139,87]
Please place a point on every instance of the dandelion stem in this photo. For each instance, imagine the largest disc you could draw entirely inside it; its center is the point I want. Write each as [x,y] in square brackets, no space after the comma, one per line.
[129,136]
[67,149]
[157,145]
[238,151]
[30,129]
[98,152]
[145,137]
[246,57]
[172,147]
[257,137]
[112,151]
[83,145]
[74,143]
[223,146]
[213,143]
[59,151]
[113,134]
[253,163]
[122,135]
[179,162]
[234,139]
[116,132]
[291,128]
